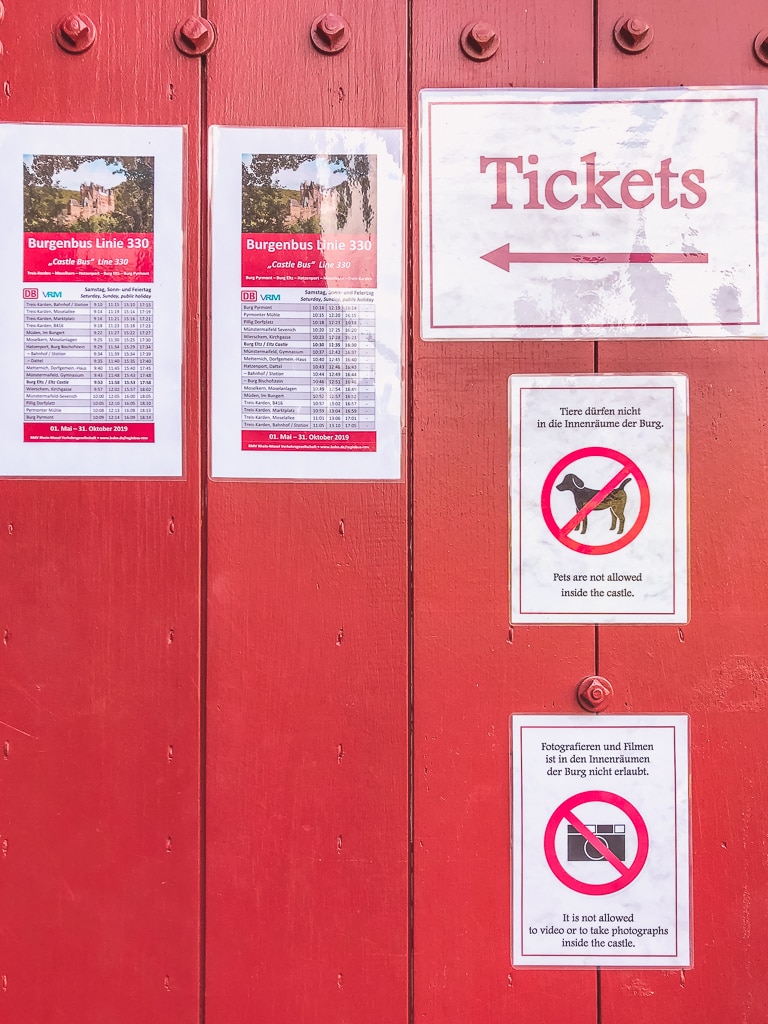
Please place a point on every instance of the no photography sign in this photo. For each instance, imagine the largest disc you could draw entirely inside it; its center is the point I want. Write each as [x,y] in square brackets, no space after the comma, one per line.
[600,841]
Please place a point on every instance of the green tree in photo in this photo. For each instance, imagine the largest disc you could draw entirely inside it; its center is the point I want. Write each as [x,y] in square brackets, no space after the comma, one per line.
[265,204]
[310,226]
[358,175]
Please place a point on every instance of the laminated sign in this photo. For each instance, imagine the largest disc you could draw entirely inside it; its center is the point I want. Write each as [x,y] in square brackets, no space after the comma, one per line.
[90,286]
[307,303]
[600,841]
[561,214]
[598,498]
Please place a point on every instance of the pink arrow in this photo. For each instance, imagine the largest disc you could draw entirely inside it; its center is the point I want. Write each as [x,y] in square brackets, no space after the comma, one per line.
[503,257]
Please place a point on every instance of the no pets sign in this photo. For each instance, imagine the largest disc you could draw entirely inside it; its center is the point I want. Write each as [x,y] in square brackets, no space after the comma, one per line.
[598,498]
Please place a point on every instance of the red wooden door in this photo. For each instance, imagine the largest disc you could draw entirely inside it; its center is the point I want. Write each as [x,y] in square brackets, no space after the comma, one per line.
[350,641]
[100,606]
[715,667]
[471,669]
[307,627]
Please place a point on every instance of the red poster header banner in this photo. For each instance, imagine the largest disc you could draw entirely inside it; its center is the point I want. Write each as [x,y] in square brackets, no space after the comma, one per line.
[72,257]
[304,261]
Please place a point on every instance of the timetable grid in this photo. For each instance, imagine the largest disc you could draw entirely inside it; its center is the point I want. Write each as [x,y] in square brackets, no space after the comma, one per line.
[89,361]
[307,367]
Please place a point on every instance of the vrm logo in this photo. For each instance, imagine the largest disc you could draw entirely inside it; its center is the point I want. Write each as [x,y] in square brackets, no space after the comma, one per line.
[31,293]
[51,295]
[269,297]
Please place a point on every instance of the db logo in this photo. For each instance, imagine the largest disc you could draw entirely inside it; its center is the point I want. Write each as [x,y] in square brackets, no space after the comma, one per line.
[250,296]
[31,293]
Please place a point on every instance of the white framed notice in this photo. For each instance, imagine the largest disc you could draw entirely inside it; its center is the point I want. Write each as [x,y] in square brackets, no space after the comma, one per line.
[582,212]
[91,288]
[600,841]
[598,483]
[307,303]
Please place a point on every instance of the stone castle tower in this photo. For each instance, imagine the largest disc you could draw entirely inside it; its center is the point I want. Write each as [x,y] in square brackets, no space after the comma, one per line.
[314,201]
[94,200]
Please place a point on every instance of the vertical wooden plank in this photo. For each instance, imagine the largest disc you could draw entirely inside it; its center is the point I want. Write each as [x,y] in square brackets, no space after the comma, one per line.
[307,809]
[99,618]
[471,670]
[715,667]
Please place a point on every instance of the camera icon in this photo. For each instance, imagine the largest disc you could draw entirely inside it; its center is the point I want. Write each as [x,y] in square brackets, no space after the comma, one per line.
[612,837]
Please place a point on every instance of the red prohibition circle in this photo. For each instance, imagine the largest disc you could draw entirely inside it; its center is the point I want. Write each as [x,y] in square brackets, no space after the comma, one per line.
[563,812]
[629,466]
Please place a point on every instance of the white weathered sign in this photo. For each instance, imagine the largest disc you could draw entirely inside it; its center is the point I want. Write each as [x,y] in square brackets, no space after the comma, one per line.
[562,214]
[600,825]
[598,498]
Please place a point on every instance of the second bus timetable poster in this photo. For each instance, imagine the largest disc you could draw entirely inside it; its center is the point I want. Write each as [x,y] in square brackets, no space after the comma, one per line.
[307,303]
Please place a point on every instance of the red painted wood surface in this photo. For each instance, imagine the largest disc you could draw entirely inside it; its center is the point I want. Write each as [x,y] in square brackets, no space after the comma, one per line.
[99,618]
[471,671]
[307,732]
[307,615]
[716,667]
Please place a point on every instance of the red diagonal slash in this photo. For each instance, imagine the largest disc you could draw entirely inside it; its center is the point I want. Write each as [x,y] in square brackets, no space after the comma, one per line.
[584,511]
[590,836]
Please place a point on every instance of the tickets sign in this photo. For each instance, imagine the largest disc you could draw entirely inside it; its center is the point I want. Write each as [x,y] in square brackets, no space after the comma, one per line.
[559,214]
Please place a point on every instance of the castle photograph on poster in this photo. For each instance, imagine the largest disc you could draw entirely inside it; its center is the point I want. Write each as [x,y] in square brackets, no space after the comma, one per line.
[302,193]
[308,220]
[96,194]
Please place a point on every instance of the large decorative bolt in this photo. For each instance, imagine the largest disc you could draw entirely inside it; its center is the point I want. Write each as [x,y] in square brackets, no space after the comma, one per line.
[194,36]
[329,33]
[632,35]
[479,40]
[761,47]
[594,693]
[75,33]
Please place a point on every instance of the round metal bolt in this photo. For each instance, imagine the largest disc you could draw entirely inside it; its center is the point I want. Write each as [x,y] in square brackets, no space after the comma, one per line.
[75,33]
[632,35]
[2,10]
[194,36]
[761,47]
[479,40]
[329,33]
[594,693]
